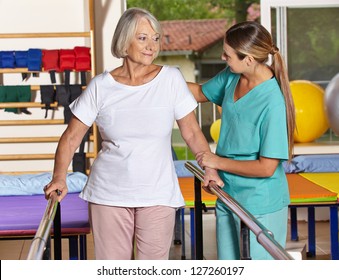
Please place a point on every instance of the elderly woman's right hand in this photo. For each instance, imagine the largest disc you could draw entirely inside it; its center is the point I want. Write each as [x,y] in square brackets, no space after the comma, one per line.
[58,186]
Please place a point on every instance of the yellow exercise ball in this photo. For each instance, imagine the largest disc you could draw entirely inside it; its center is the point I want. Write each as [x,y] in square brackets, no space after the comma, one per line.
[311,120]
[215,130]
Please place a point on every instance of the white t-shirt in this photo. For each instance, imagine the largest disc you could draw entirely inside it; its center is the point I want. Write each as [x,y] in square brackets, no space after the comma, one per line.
[134,168]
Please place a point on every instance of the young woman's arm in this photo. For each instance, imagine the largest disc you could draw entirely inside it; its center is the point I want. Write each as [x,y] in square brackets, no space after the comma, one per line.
[196,90]
[262,167]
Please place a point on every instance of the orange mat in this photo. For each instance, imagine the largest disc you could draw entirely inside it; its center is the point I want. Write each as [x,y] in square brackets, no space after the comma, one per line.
[328,180]
[187,189]
[301,191]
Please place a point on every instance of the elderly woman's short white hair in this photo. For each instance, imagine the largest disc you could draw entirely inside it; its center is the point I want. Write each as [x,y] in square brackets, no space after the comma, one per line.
[126,29]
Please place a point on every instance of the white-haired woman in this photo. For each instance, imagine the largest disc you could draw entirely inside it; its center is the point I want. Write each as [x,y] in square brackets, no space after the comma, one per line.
[132,190]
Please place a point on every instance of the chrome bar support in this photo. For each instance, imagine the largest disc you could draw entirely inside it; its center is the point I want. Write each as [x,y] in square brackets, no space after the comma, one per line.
[40,239]
[263,235]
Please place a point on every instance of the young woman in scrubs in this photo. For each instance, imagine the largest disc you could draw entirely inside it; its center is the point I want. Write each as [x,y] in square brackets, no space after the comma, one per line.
[256,136]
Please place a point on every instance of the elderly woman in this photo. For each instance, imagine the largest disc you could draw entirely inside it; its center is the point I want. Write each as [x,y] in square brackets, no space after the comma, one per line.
[132,189]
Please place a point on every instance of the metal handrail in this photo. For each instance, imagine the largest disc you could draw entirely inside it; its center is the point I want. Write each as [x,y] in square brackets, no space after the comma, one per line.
[264,236]
[40,239]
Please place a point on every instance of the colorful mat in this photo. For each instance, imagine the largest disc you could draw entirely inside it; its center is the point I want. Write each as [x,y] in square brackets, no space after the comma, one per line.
[187,189]
[302,190]
[328,180]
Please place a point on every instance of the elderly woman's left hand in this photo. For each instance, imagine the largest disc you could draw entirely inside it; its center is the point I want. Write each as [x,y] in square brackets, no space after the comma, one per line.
[211,175]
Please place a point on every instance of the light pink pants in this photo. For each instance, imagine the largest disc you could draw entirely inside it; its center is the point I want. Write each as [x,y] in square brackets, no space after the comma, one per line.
[118,230]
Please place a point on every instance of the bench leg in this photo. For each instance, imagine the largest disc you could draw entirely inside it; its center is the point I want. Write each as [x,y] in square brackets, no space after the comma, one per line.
[73,247]
[177,228]
[183,242]
[83,247]
[334,232]
[192,228]
[294,224]
[311,232]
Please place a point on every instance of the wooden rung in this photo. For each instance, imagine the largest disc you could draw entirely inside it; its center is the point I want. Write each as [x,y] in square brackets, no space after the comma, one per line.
[37,87]
[27,157]
[29,140]
[33,172]
[31,122]
[44,35]
[25,70]
[22,172]
[16,70]
[90,155]
[33,140]
[35,156]
[26,172]
[25,105]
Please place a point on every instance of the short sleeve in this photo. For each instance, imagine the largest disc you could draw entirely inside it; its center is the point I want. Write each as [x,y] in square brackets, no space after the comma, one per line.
[85,107]
[273,132]
[214,89]
[185,102]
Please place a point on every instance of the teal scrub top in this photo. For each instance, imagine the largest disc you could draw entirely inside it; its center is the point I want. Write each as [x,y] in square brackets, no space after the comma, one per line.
[253,126]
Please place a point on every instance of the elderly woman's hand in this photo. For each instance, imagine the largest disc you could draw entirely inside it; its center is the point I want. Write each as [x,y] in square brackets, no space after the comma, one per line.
[58,186]
[211,175]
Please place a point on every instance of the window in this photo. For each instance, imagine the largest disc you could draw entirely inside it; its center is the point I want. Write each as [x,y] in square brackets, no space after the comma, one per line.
[307,34]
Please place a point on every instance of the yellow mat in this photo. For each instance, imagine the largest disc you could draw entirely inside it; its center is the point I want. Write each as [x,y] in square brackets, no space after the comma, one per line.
[329,181]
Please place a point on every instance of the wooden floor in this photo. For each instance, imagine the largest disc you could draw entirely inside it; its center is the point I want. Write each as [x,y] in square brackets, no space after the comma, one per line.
[18,249]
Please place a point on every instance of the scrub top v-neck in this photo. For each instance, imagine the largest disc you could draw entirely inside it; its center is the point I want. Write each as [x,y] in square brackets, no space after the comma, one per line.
[252,126]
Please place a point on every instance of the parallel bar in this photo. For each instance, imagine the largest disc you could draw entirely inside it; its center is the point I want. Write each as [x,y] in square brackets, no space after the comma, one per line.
[40,239]
[245,241]
[198,220]
[57,234]
[263,235]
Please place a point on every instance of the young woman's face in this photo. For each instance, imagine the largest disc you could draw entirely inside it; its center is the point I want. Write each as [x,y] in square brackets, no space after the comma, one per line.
[145,45]
[229,55]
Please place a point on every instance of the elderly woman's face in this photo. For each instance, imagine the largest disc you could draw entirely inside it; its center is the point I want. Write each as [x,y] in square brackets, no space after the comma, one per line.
[145,45]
